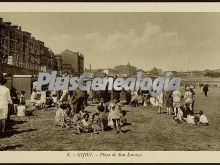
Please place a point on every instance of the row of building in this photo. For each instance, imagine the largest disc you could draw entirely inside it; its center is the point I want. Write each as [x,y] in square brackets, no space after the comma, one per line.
[19,49]
[119,70]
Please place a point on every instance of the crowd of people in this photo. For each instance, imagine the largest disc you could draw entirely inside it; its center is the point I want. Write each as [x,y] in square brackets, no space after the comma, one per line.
[71,109]
[179,103]
[109,114]
[109,109]
[104,118]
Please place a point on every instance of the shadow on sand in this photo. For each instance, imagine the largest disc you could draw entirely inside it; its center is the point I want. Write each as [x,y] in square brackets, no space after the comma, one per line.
[10,147]
[10,133]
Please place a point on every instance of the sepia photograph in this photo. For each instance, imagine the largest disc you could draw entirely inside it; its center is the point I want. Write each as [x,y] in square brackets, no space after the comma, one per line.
[153,84]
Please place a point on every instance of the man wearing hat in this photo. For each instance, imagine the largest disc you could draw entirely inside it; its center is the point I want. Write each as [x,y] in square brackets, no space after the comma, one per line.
[5,99]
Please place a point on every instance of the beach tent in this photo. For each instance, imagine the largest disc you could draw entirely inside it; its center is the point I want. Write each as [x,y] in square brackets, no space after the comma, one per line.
[23,83]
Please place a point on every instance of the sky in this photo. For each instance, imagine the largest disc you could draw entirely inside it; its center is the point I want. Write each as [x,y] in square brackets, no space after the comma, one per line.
[169,41]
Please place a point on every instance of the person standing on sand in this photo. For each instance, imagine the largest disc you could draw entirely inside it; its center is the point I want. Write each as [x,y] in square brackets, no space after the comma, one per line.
[169,101]
[205,89]
[115,115]
[176,101]
[5,99]
[193,97]
[188,96]
[160,99]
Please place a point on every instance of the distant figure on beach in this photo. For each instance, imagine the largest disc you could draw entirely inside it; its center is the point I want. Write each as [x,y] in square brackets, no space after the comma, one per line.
[205,89]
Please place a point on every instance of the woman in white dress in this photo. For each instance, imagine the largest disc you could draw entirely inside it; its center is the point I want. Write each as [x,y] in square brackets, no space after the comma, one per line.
[43,98]
[160,99]
[188,96]
[5,99]
[34,96]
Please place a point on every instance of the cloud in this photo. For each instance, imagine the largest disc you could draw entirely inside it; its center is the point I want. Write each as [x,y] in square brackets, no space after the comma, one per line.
[61,37]
[145,50]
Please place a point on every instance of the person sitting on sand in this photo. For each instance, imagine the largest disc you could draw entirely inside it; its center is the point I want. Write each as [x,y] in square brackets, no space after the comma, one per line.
[82,112]
[85,126]
[134,99]
[43,99]
[54,97]
[60,116]
[203,121]
[190,119]
[76,119]
[68,118]
[22,98]
[147,97]
[179,117]
[34,96]
[123,118]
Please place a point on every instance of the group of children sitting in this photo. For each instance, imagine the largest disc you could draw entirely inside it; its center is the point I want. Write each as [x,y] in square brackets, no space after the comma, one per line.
[185,115]
[43,99]
[18,100]
[104,117]
[182,107]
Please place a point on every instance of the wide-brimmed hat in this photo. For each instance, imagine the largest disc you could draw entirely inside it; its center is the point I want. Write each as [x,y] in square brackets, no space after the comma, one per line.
[2,79]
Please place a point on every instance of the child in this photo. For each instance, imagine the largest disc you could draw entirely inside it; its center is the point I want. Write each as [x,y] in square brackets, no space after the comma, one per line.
[82,112]
[169,101]
[15,99]
[179,117]
[147,97]
[188,97]
[115,114]
[160,99]
[68,116]
[22,98]
[203,121]
[76,119]
[188,109]
[34,96]
[176,101]
[92,96]
[134,99]
[21,108]
[85,126]
[59,117]
[190,119]
[54,97]
[100,120]
[101,106]
[49,100]
[185,112]
[123,119]
[43,99]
